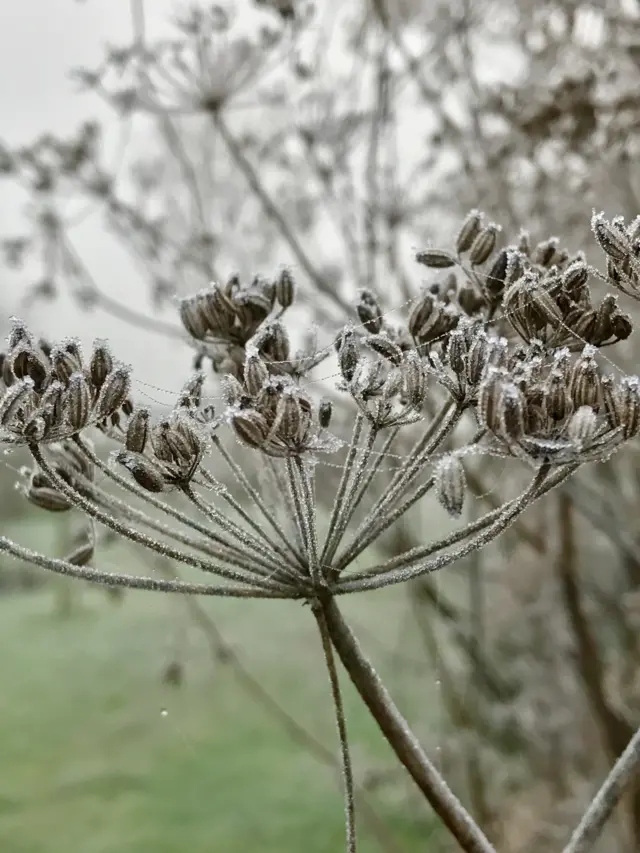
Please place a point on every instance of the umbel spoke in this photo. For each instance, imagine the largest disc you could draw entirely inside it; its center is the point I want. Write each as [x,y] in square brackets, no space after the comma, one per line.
[505,355]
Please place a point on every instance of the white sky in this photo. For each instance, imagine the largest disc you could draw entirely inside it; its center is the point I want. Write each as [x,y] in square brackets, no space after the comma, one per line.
[40,41]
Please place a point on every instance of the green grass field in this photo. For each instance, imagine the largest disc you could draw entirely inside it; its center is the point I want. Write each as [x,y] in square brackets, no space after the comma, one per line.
[98,755]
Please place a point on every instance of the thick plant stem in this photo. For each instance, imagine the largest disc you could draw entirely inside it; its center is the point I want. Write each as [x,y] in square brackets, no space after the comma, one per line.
[402,740]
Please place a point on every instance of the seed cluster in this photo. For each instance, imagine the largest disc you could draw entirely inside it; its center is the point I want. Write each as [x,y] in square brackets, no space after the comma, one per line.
[50,394]
[224,319]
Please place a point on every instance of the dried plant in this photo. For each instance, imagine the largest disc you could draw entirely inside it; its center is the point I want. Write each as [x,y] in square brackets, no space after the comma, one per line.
[324,173]
[506,346]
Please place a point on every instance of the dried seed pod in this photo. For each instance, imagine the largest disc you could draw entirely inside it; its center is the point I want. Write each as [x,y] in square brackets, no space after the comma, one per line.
[582,425]
[545,305]
[325,410]
[285,288]
[384,347]
[457,352]
[629,406]
[584,325]
[496,277]
[511,411]
[488,398]
[48,498]
[498,351]
[19,396]
[218,309]
[368,378]
[545,251]
[451,484]
[469,230]
[621,325]
[82,555]
[392,386]
[250,427]
[477,358]
[19,334]
[194,317]
[369,312]
[191,392]
[101,364]
[611,399]
[292,420]
[614,242]
[137,431]
[556,402]
[585,382]
[347,353]
[435,259]
[189,443]
[415,380]
[114,392]
[574,278]
[144,472]
[421,312]
[267,402]
[470,300]
[232,390]
[274,343]
[77,402]
[484,244]
[64,364]
[515,266]
[26,362]
[256,374]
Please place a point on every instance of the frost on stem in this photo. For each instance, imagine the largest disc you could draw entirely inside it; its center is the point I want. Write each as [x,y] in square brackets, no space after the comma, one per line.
[512,354]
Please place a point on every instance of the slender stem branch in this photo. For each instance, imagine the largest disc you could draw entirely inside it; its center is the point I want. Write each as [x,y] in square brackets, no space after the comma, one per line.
[359,545]
[255,497]
[341,723]
[246,543]
[308,506]
[298,506]
[350,499]
[402,740]
[379,577]
[342,486]
[438,430]
[625,770]
[140,538]
[63,567]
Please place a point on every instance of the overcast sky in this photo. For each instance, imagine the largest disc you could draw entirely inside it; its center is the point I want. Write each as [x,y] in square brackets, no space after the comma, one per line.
[40,41]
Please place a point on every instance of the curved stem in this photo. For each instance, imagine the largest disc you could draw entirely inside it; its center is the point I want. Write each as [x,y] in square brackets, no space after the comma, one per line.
[438,430]
[256,498]
[347,469]
[381,576]
[140,538]
[341,723]
[400,737]
[63,567]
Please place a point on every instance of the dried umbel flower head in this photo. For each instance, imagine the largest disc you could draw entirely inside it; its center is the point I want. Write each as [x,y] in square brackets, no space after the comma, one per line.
[223,319]
[54,397]
[502,350]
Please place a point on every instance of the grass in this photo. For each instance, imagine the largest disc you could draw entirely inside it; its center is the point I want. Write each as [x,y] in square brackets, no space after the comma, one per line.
[98,755]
